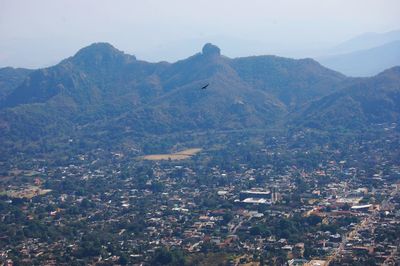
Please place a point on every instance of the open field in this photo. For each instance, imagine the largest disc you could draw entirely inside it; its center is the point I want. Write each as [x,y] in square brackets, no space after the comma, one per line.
[181,155]
[28,192]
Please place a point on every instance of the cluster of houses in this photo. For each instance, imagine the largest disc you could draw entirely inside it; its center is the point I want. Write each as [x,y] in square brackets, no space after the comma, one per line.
[172,208]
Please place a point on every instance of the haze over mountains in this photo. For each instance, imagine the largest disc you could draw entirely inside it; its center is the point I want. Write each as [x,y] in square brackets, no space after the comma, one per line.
[103,93]
[366,62]
[365,55]
[366,41]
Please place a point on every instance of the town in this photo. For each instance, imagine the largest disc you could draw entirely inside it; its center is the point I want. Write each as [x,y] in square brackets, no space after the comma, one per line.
[282,200]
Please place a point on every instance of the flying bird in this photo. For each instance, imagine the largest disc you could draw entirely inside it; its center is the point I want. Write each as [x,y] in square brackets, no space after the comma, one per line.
[205,86]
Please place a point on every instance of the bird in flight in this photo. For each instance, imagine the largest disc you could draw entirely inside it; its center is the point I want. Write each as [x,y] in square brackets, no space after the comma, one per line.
[205,86]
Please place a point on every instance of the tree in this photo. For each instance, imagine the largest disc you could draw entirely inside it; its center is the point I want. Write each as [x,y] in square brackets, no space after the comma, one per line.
[123,259]
[162,257]
[313,220]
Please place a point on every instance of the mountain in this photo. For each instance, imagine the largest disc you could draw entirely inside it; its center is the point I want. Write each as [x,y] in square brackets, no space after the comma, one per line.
[102,88]
[102,96]
[10,78]
[366,41]
[293,82]
[365,62]
[366,102]
[82,77]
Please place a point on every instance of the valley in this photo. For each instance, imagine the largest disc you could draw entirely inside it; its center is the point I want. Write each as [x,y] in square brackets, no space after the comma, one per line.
[107,159]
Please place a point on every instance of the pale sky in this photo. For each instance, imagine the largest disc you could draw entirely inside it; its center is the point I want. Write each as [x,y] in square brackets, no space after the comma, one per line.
[38,33]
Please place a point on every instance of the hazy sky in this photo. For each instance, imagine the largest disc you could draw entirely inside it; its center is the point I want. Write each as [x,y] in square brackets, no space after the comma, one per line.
[37,33]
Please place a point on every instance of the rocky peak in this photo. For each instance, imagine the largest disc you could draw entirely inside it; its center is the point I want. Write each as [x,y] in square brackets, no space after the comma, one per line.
[210,49]
[101,53]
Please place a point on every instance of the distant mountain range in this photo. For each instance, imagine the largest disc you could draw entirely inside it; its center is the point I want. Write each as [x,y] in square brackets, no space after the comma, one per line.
[103,93]
[365,62]
[366,41]
[365,55]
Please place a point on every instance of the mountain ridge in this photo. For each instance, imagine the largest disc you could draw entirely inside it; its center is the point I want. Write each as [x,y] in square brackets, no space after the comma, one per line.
[366,101]
[367,62]
[10,78]
[366,41]
[101,93]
